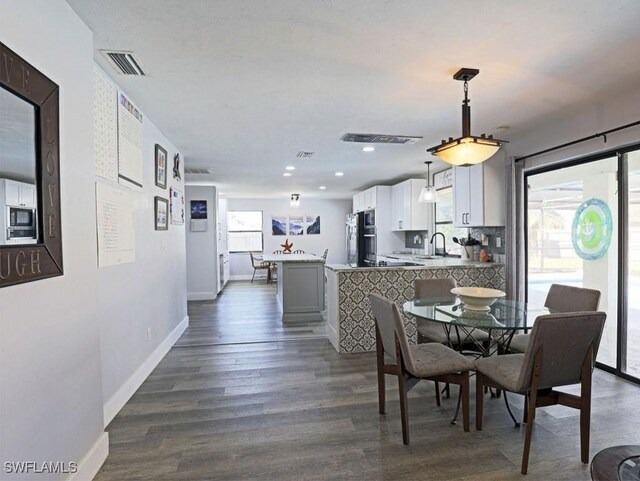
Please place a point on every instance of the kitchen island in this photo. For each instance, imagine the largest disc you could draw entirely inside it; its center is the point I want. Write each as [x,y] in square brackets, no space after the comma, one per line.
[350,326]
[300,286]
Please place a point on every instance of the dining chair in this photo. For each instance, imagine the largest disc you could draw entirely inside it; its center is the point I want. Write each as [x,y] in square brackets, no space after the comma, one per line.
[561,298]
[259,265]
[410,364]
[562,351]
[429,331]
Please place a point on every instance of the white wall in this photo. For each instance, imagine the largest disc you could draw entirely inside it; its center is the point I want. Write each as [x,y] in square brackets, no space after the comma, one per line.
[149,293]
[332,229]
[74,348]
[50,373]
[202,256]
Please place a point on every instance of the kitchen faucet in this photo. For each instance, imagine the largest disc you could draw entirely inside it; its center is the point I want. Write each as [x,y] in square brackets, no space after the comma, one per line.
[444,243]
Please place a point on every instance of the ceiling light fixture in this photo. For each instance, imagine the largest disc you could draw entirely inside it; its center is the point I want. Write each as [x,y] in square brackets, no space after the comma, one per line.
[339,174]
[468,149]
[428,194]
[368,148]
[295,200]
[322,187]
[287,174]
[290,167]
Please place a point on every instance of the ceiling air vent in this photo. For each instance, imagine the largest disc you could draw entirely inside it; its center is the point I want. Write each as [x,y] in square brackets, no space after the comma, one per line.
[304,155]
[380,139]
[197,171]
[124,62]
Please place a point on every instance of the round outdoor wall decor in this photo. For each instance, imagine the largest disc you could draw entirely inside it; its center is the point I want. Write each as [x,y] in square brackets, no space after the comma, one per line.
[592,229]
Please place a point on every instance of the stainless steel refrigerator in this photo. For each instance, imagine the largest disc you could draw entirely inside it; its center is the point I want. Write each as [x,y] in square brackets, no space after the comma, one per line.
[355,248]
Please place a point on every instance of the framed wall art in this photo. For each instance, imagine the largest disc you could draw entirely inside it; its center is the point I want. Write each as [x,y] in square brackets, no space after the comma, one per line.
[161,167]
[176,206]
[161,210]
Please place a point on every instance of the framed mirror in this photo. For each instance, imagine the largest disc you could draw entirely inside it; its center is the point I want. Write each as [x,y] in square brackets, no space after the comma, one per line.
[30,221]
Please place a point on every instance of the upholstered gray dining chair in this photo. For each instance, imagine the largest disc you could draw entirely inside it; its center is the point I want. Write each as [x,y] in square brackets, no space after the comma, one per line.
[429,331]
[562,351]
[432,361]
[561,298]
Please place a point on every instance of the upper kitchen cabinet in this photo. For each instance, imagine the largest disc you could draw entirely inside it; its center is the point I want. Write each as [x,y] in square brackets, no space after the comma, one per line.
[406,212]
[18,194]
[478,195]
[366,200]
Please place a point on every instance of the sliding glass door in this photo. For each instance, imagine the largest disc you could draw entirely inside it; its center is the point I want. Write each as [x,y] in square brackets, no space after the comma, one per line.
[630,349]
[572,218]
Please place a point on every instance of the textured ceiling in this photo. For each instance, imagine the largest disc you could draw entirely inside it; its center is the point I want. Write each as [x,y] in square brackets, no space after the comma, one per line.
[241,86]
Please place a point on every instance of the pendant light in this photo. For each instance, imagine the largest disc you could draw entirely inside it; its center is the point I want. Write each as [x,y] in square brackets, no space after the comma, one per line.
[428,194]
[295,200]
[468,149]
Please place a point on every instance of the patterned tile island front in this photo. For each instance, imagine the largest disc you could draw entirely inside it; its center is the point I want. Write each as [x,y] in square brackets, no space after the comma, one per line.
[350,325]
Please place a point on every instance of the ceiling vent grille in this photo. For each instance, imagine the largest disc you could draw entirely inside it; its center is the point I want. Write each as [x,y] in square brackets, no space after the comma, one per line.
[304,155]
[123,62]
[197,171]
[380,139]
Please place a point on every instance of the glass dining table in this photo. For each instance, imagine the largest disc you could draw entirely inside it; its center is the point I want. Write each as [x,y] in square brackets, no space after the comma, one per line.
[501,321]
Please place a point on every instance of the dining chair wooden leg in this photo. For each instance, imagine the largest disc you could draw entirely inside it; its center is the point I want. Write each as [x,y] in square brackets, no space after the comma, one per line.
[381,380]
[447,391]
[438,396]
[479,400]
[404,408]
[585,406]
[464,392]
[254,274]
[533,393]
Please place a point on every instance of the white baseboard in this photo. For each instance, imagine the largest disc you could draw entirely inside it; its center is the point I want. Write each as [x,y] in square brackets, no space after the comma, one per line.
[90,464]
[122,395]
[245,277]
[201,296]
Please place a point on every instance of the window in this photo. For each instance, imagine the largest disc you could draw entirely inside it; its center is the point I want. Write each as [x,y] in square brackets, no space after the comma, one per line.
[245,231]
[444,221]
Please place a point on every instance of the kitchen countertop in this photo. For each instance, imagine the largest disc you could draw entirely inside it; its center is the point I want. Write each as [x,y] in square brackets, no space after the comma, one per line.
[424,263]
[291,258]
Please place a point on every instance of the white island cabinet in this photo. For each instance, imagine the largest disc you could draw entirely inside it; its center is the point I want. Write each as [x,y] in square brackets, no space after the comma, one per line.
[300,286]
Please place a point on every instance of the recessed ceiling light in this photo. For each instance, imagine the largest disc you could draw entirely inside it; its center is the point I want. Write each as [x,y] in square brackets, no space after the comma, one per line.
[339,174]
[290,167]
[322,187]
[368,148]
[287,174]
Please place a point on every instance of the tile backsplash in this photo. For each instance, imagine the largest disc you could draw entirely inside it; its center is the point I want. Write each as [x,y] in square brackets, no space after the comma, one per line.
[415,240]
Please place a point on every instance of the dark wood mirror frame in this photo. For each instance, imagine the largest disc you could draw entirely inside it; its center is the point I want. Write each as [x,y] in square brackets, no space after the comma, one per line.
[32,262]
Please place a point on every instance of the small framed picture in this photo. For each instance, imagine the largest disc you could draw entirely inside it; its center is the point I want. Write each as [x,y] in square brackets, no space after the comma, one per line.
[161,167]
[198,209]
[161,211]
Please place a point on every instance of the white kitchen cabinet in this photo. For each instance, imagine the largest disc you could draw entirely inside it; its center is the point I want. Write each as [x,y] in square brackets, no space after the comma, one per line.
[366,200]
[478,195]
[19,194]
[358,202]
[406,212]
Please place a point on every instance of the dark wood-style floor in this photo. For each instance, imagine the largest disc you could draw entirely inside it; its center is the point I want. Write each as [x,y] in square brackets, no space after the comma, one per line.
[296,409]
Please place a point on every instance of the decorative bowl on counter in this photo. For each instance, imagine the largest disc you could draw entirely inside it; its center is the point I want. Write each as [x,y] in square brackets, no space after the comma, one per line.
[477,298]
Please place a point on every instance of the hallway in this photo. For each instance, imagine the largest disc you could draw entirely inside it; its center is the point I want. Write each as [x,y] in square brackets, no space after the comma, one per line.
[296,409]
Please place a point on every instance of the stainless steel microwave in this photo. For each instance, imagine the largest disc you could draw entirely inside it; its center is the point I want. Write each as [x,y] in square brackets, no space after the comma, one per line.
[22,224]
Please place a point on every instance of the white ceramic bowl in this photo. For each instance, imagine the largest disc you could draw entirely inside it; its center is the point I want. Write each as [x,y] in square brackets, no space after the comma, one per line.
[477,298]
